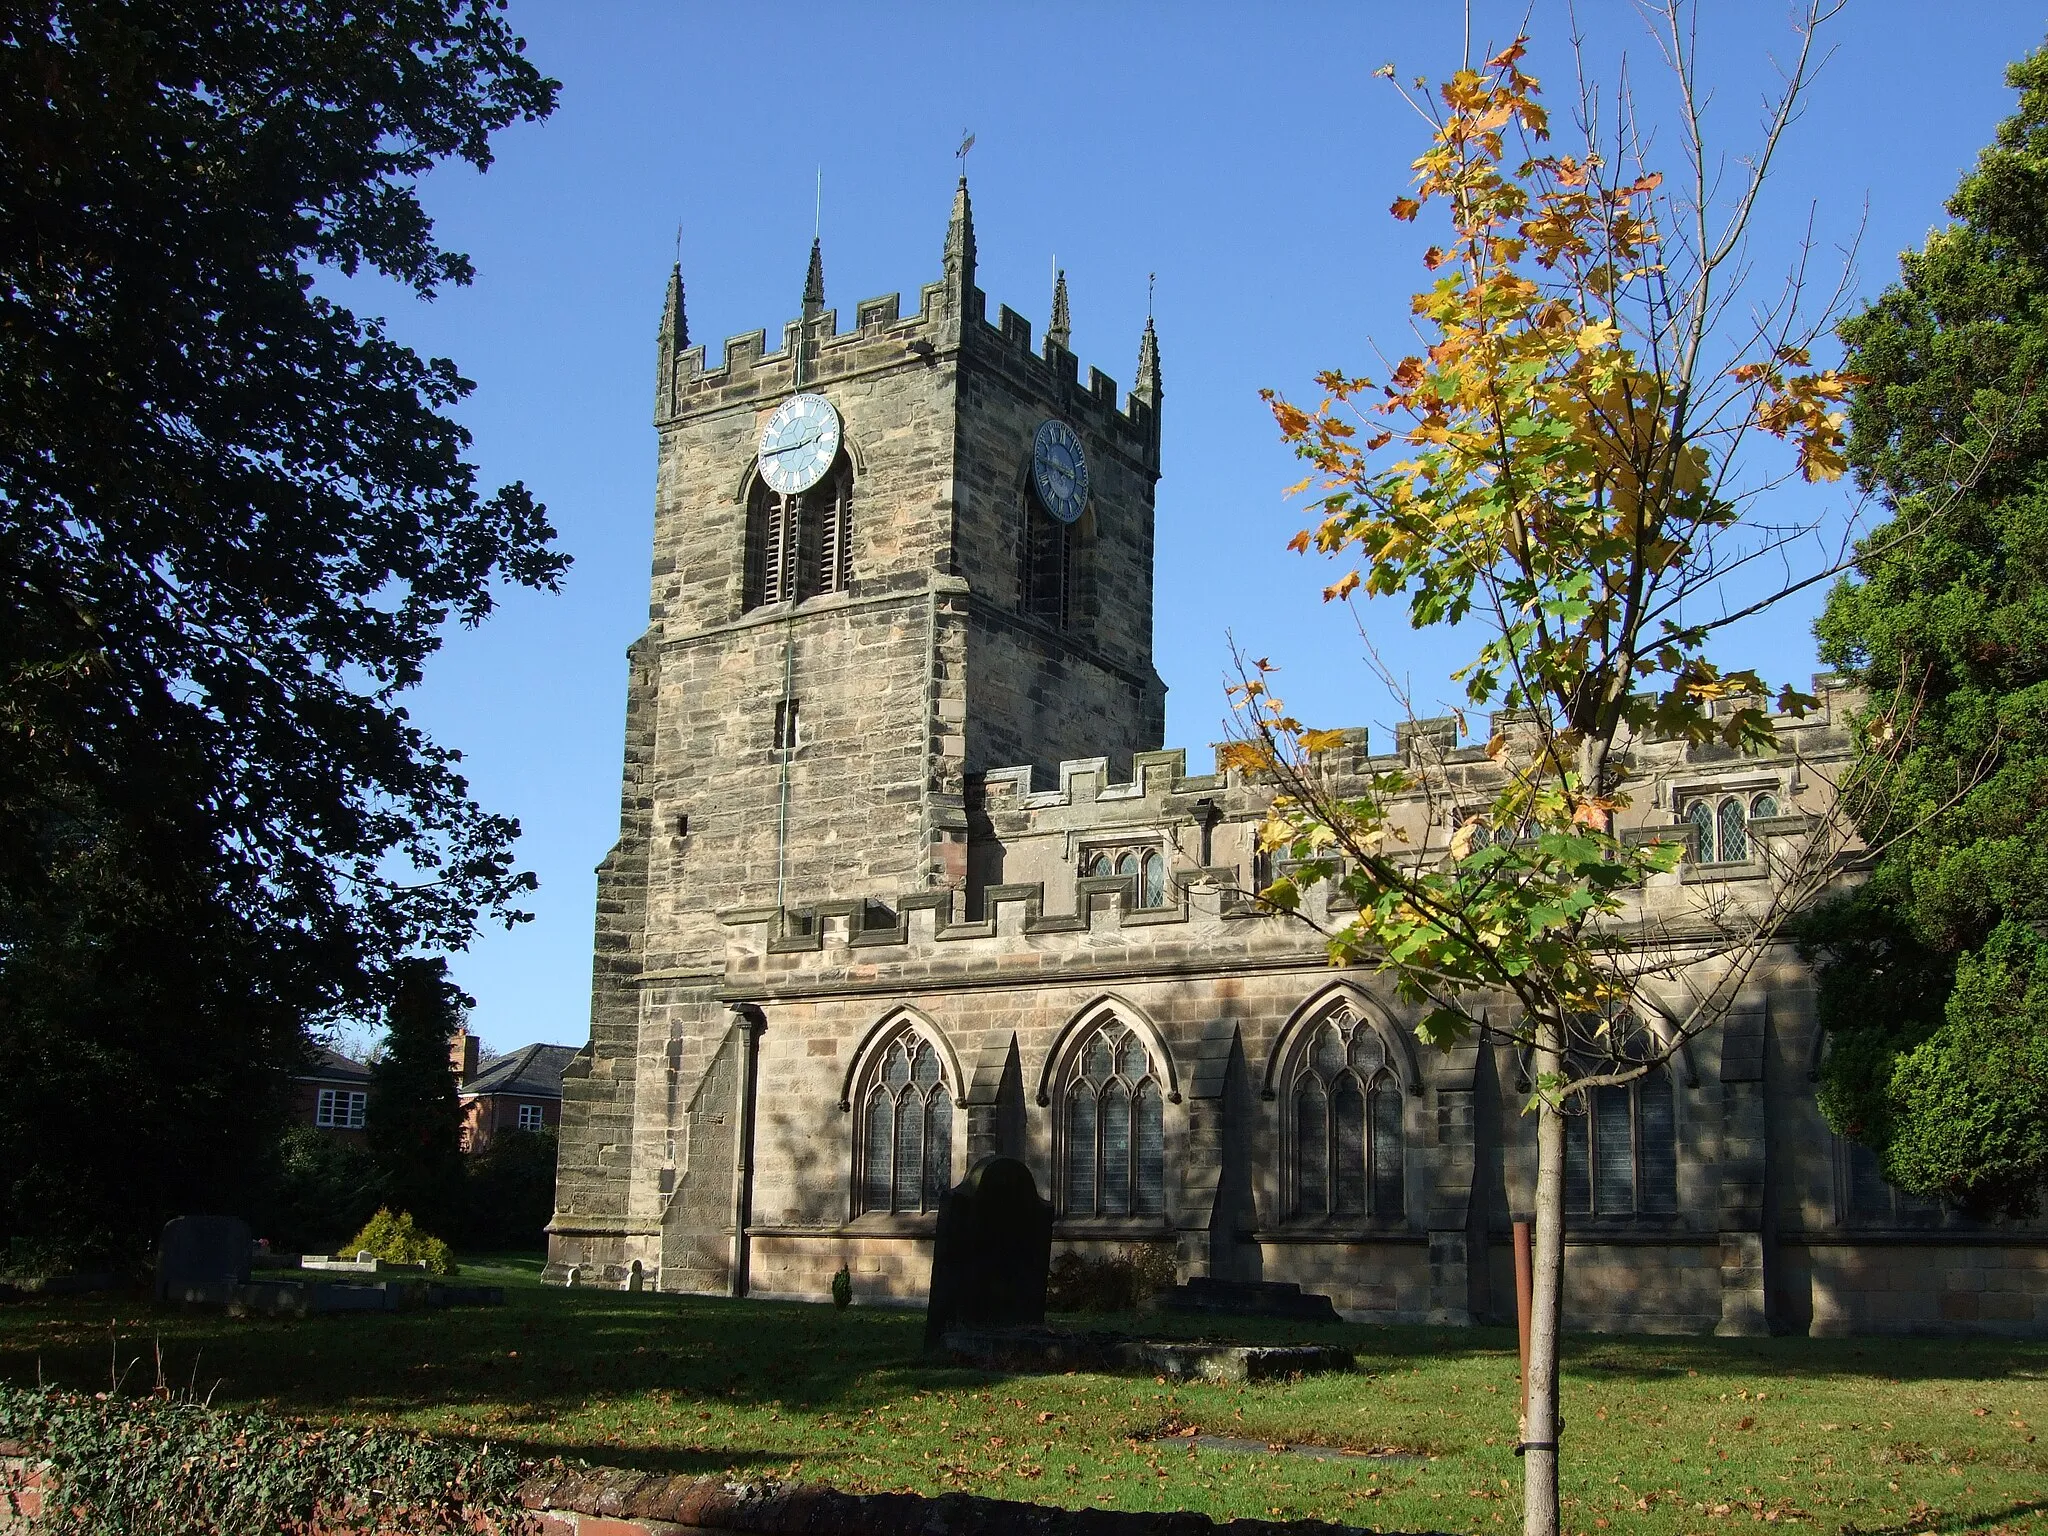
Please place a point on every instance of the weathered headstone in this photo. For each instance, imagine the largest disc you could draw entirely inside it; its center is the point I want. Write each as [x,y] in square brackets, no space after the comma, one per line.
[991,1252]
[202,1258]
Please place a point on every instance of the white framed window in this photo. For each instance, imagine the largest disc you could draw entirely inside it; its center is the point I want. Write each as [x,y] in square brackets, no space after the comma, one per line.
[531,1118]
[340,1109]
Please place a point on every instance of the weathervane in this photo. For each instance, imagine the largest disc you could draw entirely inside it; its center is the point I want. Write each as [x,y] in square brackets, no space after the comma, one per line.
[960,154]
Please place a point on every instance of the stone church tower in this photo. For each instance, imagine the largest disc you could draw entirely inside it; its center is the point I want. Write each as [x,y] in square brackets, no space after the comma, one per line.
[822,670]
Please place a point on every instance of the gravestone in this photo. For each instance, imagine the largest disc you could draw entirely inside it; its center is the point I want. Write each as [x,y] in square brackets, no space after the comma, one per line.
[202,1258]
[990,1253]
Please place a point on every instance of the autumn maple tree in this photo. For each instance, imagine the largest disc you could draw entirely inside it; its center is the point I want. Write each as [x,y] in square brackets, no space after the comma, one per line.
[1558,479]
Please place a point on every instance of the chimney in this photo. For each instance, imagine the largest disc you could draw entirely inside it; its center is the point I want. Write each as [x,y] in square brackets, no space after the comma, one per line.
[462,1054]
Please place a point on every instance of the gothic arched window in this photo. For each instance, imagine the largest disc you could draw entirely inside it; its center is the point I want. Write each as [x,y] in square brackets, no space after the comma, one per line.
[1621,1150]
[1344,1104]
[1048,566]
[799,546]
[906,1130]
[1113,1128]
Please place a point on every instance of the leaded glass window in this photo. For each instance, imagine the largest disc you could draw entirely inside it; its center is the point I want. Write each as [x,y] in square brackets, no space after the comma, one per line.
[906,1135]
[1346,1121]
[1733,822]
[1115,1132]
[1142,868]
[1621,1150]
[1721,829]
[1702,818]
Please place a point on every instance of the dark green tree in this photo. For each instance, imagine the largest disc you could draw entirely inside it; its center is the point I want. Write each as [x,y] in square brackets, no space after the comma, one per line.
[413,1122]
[1934,981]
[511,1191]
[235,521]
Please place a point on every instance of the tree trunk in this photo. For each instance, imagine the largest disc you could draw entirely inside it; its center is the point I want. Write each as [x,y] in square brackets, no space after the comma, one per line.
[1540,1515]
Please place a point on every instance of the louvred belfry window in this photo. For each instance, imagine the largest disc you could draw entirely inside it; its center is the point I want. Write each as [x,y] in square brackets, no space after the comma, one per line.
[1345,1101]
[906,1133]
[1048,566]
[1114,1129]
[800,546]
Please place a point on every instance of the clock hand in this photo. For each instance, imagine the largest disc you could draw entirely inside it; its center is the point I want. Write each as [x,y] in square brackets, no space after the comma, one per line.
[792,447]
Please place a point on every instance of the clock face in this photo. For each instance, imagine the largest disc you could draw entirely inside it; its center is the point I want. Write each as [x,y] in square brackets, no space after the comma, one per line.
[799,443]
[1059,470]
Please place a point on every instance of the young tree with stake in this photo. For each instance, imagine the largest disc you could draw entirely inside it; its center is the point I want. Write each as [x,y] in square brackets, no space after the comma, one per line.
[1566,474]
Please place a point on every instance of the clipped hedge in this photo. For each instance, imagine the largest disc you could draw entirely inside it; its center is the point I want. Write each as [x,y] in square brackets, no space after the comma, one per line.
[169,1466]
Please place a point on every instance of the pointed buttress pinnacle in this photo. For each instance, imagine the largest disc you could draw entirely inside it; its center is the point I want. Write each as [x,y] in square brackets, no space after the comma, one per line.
[1062,328]
[675,324]
[814,283]
[1147,388]
[959,261]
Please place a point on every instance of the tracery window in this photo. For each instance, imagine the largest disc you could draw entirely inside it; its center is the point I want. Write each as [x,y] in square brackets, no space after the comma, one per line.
[1144,868]
[1869,1199]
[906,1130]
[1344,1103]
[800,546]
[1621,1149]
[1113,1128]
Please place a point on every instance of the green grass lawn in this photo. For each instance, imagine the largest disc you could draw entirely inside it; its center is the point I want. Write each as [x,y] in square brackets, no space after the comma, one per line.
[1662,1435]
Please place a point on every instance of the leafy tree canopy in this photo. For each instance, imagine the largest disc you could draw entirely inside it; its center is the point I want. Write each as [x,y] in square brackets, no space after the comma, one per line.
[235,520]
[1933,991]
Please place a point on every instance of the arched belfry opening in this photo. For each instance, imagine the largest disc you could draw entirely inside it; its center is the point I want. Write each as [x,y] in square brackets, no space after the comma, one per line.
[802,545]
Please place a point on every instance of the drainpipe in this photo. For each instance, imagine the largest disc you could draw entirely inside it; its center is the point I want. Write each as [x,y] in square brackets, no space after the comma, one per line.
[749,1018]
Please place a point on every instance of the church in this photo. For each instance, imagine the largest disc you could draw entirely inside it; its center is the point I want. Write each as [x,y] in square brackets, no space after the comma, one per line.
[905,879]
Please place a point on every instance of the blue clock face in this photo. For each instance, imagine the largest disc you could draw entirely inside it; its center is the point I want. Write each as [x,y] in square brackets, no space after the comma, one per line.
[1059,470]
[799,443]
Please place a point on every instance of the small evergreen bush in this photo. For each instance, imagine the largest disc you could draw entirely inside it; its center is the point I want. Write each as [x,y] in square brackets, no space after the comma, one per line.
[842,1288]
[395,1240]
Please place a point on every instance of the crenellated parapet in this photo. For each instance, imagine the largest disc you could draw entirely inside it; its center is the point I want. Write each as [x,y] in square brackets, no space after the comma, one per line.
[1059,848]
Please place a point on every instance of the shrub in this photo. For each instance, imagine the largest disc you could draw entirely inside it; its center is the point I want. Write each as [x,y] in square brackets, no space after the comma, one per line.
[1117,1282]
[395,1240]
[842,1288]
[169,1466]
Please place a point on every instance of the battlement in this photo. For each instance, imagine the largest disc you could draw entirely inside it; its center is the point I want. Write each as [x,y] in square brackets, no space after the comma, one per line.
[882,337]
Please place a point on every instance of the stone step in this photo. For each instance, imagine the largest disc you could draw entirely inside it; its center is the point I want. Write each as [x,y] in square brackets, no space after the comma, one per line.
[1248,1298]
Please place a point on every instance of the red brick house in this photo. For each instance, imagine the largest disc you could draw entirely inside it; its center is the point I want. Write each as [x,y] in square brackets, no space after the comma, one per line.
[521,1091]
[333,1094]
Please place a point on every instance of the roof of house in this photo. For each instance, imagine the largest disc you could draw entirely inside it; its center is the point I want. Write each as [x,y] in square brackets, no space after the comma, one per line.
[332,1067]
[532,1072]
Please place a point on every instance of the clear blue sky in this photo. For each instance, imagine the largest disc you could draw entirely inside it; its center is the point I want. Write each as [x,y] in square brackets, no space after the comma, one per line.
[1244,153]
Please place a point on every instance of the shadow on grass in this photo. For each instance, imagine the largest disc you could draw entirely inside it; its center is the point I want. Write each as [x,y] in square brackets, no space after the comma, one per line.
[551,1352]
[1917,1525]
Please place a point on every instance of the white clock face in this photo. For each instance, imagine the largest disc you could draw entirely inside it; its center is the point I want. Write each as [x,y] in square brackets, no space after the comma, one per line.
[799,443]
[1060,470]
